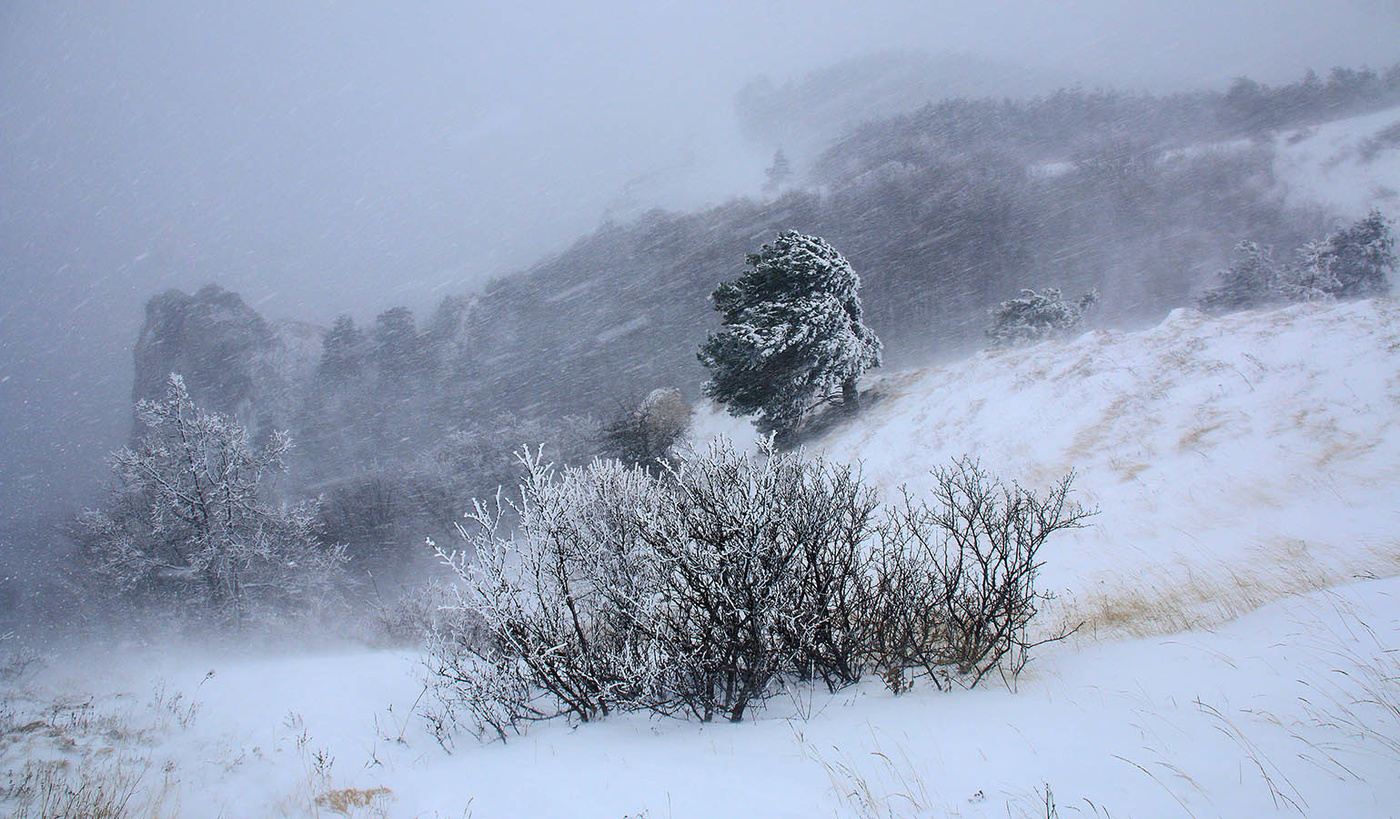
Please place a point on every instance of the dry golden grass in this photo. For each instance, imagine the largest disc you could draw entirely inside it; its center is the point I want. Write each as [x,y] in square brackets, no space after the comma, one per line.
[345,801]
[1182,597]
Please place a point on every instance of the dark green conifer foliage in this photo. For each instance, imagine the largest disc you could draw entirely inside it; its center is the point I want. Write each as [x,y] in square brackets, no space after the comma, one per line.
[342,351]
[1360,255]
[792,336]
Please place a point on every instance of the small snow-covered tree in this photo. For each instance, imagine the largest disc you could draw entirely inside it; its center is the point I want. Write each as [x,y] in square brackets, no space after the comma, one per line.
[1033,317]
[1360,255]
[1311,277]
[1252,280]
[188,522]
[792,336]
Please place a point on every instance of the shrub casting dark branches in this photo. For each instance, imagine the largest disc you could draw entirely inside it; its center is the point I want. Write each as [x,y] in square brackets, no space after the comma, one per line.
[958,572]
[644,432]
[792,334]
[726,559]
[703,589]
[831,516]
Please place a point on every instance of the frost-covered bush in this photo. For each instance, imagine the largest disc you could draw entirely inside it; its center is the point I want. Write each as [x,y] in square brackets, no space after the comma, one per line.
[762,576]
[956,574]
[189,524]
[704,588]
[1033,317]
[558,599]
[1349,263]
[1309,279]
[691,591]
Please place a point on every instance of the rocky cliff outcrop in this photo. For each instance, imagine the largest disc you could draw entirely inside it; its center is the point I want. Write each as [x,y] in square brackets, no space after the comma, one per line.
[233,361]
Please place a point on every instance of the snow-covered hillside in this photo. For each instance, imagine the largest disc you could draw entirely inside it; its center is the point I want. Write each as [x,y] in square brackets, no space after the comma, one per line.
[1235,461]
[1348,166]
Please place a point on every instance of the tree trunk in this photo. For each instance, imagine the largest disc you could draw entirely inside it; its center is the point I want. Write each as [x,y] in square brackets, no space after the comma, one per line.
[850,395]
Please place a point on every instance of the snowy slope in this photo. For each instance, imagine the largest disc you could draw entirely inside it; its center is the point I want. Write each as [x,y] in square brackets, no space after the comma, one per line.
[1348,166]
[1235,460]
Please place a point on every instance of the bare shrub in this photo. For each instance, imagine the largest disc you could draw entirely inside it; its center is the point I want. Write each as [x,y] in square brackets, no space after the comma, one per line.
[414,616]
[703,589]
[558,600]
[646,431]
[832,515]
[956,574]
[479,688]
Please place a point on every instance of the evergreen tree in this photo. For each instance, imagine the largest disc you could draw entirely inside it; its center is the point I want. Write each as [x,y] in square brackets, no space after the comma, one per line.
[395,425]
[1351,263]
[342,351]
[778,173]
[1034,317]
[396,344]
[1251,281]
[1360,255]
[792,334]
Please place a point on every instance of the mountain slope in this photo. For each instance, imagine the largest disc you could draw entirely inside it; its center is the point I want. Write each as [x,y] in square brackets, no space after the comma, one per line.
[1348,166]
[1234,459]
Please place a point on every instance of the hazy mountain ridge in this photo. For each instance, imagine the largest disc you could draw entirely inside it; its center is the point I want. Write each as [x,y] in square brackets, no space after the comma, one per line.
[937,239]
[802,115]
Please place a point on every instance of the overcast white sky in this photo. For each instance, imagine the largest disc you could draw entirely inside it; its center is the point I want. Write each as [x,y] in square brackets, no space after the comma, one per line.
[321,156]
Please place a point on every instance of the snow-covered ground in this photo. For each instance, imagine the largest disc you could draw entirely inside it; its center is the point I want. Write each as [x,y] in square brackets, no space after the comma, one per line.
[1240,591]
[1233,459]
[1348,166]
[1241,654]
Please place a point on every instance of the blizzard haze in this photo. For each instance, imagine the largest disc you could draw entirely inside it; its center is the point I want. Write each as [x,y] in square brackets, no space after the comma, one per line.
[324,157]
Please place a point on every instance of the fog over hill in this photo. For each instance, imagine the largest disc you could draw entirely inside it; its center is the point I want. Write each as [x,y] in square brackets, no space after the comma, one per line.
[426,505]
[323,158]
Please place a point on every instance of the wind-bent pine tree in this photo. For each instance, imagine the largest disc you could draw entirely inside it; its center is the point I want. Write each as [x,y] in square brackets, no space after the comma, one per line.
[792,335]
